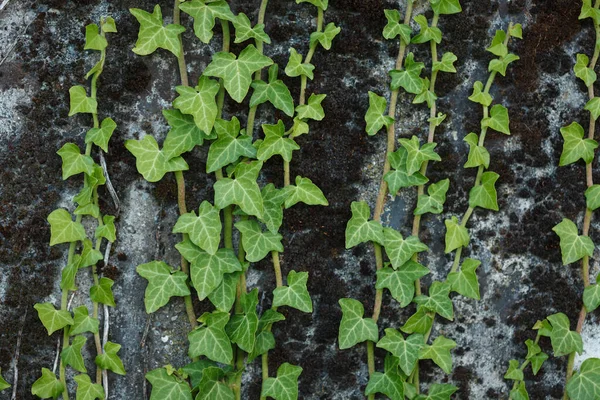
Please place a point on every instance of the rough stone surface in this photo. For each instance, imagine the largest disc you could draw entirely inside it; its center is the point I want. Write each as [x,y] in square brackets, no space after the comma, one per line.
[522,279]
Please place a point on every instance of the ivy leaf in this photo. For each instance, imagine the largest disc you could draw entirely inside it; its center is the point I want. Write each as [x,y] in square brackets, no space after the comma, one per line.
[150,161]
[80,103]
[389,383]
[295,67]
[456,235]
[88,209]
[195,371]
[484,195]
[256,242]
[312,110]
[354,328]
[71,355]
[419,322]
[299,128]
[433,202]
[359,229]
[438,300]
[274,143]
[107,230]
[204,14]
[67,281]
[237,73]
[89,255]
[204,229]
[416,155]
[63,229]
[410,77]
[326,37]
[101,136]
[199,102]
[211,385]
[394,27]
[427,33]
[102,292]
[163,283]
[585,384]
[592,197]
[93,39]
[407,350]
[537,361]
[244,30]
[183,136]
[375,117]
[446,6]
[242,328]
[73,162]
[575,147]
[465,280]
[478,155]
[223,297]
[110,360]
[446,64]
[593,106]
[498,48]
[564,341]
[264,342]
[51,318]
[295,294]
[498,119]
[587,75]
[514,371]
[275,92]
[273,199]
[322,4]
[532,349]
[500,64]
[47,385]
[401,282]
[82,322]
[86,390]
[572,246]
[439,391]
[210,339]
[439,353]
[153,35]
[588,11]
[400,250]
[437,121]
[269,317]
[479,95]
[426,95]
[306,192]
[399,178]
[229,146]
[285,386]
[591,296]
[242,191]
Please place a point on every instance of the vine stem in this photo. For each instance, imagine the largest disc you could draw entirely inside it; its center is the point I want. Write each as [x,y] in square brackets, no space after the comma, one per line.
[258,74]
[383,190]
[587,219]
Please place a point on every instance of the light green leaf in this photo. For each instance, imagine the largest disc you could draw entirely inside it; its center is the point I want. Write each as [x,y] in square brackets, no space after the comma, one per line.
[163,283]
[399,178]
[210,339]
[427,33]
[456,235]
[588,11]
[587,75]
[439,391]
[419,322]
[532,349]
[400,250]
[244,30]
[498,119]
[295,67]
[326,37]
[322,4]
[401,282]
[407,350]
[295,294]
[537,361]
[479,95]
[354,328]
[564,341]
[67,281]
[108,25]
[101,136]
[359,229]
[110,360]
[388,383]
[242,328]
[229,146]
[183,136]
[585,384]
[394,27]
[593,106]
[426,95]
[153,35]
[575,147]
[275,92]
[80,103]
[212,387]
[107,230]
[273,200]
[484,195]
[306,192]
[437,121]
[82,322]
[500,64]
[88,209]
[465,280]
[591,296]
[433,201]
[516,31]
[204,229]
[89,255]
[514,372]
[86,390]
[416,155]
[52,318]
[375,117]
[199,102]
[446,64]
[93,39]
[47,386]
[438,300]
[410,77]
[242,191]
[73,162]
[498,48]
[592,197]
[446,6]
[312,110]
[572,246]
[150,161]
[274,143]
[257,243]
[102,292]
[478,155]
[285,386]
[204,14]
[439,353]
[223,297]
[71,355]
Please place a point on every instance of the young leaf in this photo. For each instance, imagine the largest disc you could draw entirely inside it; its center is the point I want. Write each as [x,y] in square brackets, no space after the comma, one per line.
[68,274]
[416,155]
[71,355]
[427,33]
[237,73]
[401,282]
[514,372]
[438,300]
[242,328]
[195,371]
[532,349]
[82,322]
[433,202]
[199,102]
[394,27]
[242,191]
[478,155]
[419,322]
[498,119]
[86,390]
[326,37]
[163,283]
[275,92]
[585,384]
[593,106]
[572,246]
[322,4]
[295,294]
[93,39]
[359,229]
[591,296]
[223,297]
[498,48]
[101,136]
[426,95]
[375,117]
[273,200]
[51,318]
[80,103]
[312,110]
[211,386]
[256,242]
[484,195]
[150,161]
[588,11]
[439,391]
[183,136]
[537,361]
[295,67]
[210,339]
[229,146]
[244,30]
[516,31]
[110,360]
[465,280]
[204,14]
[446,64]
[354,328]
[399,178]
[410,77]
[47,386]
[500,64]
[306,192]
[407,350]
[564,341]
[480,96]
[153,35]
[592,197]
[275,144]
[575,147]
[63,229]
[107,230]
[102,292]
[587,75]
[204,229]
[456,235]
[400,250]
[446,6]
[88,209]
[437,121]
[439,353]
[285,386]
[389,383]
[73,162]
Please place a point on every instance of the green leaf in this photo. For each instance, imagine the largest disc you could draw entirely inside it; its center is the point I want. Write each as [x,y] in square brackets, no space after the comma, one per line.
[150,161]
[359,229]
[47,385]
[585,384]
[82,322]
[244,30]
[210,339]
[439,391]
[433,202]
[195,370]
[419,322]
[207,270]
[52,318]
[102,292]
[564,341]
[153,35]
[484,195]
[394,27]
[593,106]
[274,143]
[326,37]
[71,355]
[439,353]
[204,229]
[110,360]
[312,110]
[516,31]
[295,294]
[264,342]
[89,255]
[88,209]
[295,67]
[498,119]
[108,25]
[572,246]
[73,162]
[93,39]
[407,350]
[275,92]
[416,155]
[478,155]
[306,192]
[537,361]
[242,191]
[388,383]
[456,235]
[410,77]
[285,386]
[446,64]
[479,95]
[438,300]
[465,280]
[400,250]
[257,243]
[399,178]
[204,14]
[242,328]
[86,390]
[163,283]
[500,64]
[591,296]
[212,387]
[273,200]
[446,6]
[375,117]
[437,121]
[223,297]
[199,102]
[427,33]
[268,318]
[354,328]
[101,136]
[514,371]
[587,75]
[588,11]
[80,103]
[237,73]
[229,146]
[426,95]
[532,349]
[498,48]
[322,4]
[401,282]
[575,147]
[183,136]
[67,281]
[592,197]
[107,230]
